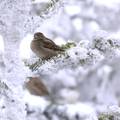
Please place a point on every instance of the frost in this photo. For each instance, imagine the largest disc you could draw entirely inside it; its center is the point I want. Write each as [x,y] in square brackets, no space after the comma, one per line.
[10,103]
[83,73]
[16,21]
[112,112]
[83,81]
[82,111]
[69,111]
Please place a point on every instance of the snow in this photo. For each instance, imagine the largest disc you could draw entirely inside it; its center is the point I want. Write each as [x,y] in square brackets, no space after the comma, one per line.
[68,96]
[25,50]
[39,1]
[108,3]
[35,101]
[1,44]
[82,110]
[72,9]
[88,72]
[59,41]
[77,23]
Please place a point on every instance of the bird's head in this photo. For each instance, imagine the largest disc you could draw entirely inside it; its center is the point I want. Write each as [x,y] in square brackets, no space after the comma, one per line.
[38,35]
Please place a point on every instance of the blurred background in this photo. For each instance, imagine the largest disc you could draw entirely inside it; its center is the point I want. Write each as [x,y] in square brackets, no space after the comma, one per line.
[76,20]
[89,77]
[73,21]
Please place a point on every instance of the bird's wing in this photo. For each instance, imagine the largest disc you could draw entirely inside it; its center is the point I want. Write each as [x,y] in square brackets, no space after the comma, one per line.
[41,86]
[51,45]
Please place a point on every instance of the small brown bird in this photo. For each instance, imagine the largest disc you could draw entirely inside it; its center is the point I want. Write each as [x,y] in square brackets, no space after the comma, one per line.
[43,47]
[36,87]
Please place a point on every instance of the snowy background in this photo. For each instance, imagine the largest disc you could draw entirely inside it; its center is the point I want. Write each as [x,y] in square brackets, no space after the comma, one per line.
[84,82]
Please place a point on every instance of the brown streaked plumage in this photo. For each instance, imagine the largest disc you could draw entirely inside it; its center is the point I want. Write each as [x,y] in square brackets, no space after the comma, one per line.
[36,87]
[43,47]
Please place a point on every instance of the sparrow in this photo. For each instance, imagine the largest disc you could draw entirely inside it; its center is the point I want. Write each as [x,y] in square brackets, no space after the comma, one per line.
[36,87]
[43,47]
